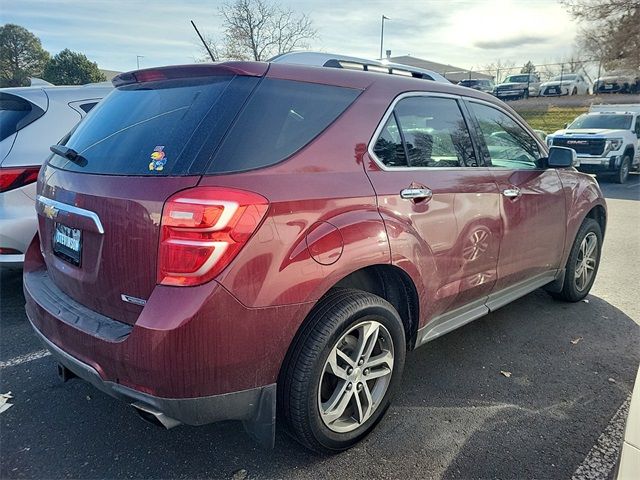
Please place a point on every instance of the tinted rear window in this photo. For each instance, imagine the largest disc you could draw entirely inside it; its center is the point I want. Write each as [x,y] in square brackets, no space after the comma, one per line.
[16,113]
[157,128]
[279,119]
[193,126]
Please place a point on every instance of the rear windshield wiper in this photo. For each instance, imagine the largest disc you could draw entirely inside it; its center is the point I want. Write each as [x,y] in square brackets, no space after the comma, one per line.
[69,154]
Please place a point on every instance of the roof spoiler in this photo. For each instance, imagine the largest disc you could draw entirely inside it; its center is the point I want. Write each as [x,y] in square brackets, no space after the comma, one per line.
[252,69]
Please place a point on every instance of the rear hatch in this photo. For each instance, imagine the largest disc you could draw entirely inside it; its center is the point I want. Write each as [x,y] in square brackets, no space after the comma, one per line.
[100,206]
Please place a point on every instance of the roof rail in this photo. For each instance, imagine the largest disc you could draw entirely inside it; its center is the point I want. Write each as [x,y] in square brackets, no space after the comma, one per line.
[331,60]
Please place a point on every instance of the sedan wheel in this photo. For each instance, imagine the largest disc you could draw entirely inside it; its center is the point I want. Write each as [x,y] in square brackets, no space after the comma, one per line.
[355,377]
[342,369]
[582,264]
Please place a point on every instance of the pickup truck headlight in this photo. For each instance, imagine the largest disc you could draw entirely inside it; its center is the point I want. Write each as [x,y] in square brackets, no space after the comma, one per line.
[614,144]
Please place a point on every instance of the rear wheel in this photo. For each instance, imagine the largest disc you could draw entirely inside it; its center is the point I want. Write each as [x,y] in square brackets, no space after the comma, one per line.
[583,262]
[342,370]
[623,171]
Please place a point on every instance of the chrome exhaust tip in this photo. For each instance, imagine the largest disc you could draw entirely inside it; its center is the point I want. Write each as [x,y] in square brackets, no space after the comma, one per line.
[155,417]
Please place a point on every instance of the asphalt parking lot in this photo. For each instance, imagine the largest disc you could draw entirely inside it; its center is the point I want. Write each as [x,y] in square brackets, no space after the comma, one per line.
[456,416]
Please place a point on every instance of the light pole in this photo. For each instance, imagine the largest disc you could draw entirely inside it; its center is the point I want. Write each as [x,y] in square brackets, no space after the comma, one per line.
[382,34]
[138,57]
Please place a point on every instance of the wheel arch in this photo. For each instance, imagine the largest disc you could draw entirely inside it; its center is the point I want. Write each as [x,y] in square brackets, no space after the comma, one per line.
[599,214]
[384,280]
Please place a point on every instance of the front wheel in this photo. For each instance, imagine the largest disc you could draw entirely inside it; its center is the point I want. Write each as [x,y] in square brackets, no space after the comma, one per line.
[623,171]
[583,262]
[342,370]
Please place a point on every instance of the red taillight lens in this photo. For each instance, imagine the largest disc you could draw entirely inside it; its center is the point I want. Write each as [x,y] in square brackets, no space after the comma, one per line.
[203,229]
[16,177]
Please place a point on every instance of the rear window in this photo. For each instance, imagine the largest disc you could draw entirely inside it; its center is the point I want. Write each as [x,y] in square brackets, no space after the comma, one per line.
[16,113]
[156,128]
[202,125]
[280,118]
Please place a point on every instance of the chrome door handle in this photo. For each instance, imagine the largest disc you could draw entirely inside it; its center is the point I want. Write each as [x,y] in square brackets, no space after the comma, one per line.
[513,192]
[416,193]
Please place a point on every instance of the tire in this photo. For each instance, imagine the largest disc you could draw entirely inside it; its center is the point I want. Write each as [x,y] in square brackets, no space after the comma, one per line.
[576,287]
[623,171]
[309,388]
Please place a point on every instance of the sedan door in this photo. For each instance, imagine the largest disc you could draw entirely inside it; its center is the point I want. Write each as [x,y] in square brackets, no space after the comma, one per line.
[440,208]
[532,204]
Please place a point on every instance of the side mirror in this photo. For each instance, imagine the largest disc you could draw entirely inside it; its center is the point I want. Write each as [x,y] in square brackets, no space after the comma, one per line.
[566,125]
[562,157]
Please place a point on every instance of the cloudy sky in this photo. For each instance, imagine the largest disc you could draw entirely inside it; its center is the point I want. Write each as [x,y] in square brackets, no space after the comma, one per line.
[468,34]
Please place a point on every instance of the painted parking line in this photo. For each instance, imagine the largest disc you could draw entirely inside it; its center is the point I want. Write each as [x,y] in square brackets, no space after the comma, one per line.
[29,357]
[603,456]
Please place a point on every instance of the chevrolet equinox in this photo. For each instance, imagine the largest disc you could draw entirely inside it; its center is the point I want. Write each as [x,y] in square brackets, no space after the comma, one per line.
[219,240]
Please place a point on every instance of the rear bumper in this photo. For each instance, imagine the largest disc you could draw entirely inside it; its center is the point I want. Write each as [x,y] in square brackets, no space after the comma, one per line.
[195,354]
[256,407]
[241,405]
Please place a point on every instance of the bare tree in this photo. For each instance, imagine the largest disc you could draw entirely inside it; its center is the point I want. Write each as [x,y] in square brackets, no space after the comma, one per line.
[500,68]
[259,29]
[610,30]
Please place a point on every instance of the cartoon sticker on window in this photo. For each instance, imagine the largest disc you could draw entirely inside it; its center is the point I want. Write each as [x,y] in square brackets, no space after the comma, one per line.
[158,159]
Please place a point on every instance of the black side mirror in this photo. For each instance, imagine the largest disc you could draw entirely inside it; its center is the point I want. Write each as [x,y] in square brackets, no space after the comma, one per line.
[566,125]
[562,157]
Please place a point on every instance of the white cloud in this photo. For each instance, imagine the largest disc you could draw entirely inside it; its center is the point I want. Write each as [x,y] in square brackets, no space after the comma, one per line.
[464,33]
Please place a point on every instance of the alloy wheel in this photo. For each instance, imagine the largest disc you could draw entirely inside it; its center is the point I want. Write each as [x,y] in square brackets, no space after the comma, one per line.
[356,376]
[586,262]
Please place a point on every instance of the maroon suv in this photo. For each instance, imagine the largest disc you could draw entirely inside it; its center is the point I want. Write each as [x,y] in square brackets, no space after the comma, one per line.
[216,241]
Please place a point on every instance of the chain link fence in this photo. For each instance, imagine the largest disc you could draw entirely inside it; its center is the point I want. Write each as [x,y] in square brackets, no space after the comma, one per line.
[590,69]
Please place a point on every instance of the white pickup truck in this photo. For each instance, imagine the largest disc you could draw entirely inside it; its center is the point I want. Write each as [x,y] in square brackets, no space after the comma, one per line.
[606,139]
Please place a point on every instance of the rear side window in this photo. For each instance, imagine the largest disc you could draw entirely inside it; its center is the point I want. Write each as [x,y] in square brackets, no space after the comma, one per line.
[157,128]
[280,118]
[389,148]
[16,113]
[433,131]
[87,107]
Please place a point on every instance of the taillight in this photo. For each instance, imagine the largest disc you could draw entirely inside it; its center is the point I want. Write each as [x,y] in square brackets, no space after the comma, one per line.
[203,229]
[16,177]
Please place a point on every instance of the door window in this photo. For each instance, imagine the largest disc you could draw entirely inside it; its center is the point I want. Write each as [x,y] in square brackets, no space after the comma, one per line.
[431,131]
[508,145]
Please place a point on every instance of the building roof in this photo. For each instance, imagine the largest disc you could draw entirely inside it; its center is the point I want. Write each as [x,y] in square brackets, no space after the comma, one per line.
[454,74]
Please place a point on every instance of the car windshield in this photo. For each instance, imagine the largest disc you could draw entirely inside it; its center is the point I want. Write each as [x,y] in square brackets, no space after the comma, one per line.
[610,122]
[517,79]
[557,78]
[469,83]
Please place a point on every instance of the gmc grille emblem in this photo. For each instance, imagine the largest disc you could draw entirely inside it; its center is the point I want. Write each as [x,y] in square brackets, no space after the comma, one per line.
[578,142]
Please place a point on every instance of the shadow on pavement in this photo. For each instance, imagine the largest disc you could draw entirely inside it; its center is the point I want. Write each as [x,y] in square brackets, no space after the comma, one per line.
[455,415]
[627,191]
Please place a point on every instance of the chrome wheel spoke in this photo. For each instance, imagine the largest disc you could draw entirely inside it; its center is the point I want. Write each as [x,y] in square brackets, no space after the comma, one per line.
[332,363]
[337,404]
[367,340]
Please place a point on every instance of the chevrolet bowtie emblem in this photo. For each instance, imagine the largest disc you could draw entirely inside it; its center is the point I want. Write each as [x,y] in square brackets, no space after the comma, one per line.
[50,211]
